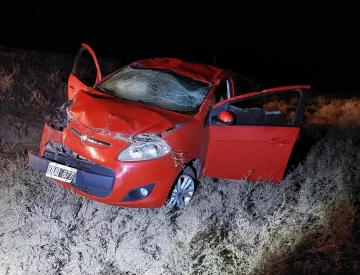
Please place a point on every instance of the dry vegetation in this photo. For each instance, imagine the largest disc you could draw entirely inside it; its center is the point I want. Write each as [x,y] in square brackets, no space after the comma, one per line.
[307,225]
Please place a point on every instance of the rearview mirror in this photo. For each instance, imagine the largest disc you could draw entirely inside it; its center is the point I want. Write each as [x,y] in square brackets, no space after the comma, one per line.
[223,118]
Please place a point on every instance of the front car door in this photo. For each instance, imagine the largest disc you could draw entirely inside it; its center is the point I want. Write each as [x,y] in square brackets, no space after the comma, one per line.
[258,144]
[85,72]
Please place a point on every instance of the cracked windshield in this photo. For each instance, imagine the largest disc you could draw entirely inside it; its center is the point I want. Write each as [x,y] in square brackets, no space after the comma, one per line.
[162,89]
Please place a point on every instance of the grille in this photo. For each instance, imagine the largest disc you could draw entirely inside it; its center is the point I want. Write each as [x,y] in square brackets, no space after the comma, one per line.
[84,138]
[92,191]
[81,164]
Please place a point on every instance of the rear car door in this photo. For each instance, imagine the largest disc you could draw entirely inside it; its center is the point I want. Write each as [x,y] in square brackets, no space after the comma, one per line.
[258,144]
[85,72]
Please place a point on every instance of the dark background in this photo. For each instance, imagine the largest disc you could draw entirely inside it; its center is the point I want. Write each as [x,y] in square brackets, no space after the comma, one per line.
[328,67]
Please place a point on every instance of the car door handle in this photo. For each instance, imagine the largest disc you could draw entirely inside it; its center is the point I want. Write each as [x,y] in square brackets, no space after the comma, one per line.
[279,141]
[72,88]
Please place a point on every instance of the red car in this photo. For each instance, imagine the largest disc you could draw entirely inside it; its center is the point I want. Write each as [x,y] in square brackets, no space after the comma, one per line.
[143,135]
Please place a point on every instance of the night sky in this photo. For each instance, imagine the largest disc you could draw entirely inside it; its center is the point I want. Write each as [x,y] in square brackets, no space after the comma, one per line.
[327,69]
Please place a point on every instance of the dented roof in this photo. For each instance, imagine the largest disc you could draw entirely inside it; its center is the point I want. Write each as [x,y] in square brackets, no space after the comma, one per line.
[202,72]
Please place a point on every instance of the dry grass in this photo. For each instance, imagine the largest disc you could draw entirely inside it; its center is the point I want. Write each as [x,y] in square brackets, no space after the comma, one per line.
[334,251]
[306,225]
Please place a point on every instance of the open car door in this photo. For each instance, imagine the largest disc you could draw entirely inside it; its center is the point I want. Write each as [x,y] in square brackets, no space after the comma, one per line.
[257,140]
[85,72]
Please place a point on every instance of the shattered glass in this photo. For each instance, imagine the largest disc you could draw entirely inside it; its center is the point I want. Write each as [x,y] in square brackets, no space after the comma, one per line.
[163,89]
[276,109]
[258,116]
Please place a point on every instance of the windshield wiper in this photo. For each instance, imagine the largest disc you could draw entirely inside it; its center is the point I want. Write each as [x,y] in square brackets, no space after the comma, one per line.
[103,90]
[147,103]
[163,108]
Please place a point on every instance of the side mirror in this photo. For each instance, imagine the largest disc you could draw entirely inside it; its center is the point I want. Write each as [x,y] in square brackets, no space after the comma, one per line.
[223,118]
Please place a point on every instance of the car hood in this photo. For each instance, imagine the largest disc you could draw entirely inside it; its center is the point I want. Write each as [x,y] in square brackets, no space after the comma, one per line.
[114,115]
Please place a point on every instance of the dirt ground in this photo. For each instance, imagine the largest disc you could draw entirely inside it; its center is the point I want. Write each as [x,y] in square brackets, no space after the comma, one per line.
[306,225]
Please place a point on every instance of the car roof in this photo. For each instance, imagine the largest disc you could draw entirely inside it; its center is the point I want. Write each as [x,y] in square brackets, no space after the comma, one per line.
[200,71]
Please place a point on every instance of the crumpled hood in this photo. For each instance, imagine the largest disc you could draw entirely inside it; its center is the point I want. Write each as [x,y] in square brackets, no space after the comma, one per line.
[122,116]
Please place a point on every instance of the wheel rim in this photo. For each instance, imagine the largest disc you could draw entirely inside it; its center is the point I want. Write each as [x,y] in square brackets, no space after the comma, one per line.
[182,193]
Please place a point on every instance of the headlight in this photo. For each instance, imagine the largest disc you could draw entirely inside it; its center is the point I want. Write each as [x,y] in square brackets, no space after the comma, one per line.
[145,151]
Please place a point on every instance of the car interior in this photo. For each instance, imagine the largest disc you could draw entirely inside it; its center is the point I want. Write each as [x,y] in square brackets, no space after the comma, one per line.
[221,93]
[257,116]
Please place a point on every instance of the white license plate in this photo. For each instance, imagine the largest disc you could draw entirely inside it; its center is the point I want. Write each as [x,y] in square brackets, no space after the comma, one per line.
[60,172]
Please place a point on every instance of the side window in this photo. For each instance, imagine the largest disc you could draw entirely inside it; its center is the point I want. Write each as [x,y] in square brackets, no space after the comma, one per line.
[222,92]
[85,68]
[277,109]
[243,85]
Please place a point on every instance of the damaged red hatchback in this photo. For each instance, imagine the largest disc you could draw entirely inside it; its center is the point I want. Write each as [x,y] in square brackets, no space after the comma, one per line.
[143,135]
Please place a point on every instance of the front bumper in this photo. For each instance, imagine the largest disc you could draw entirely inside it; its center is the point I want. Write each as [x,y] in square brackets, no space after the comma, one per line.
[93,184]
[102,177]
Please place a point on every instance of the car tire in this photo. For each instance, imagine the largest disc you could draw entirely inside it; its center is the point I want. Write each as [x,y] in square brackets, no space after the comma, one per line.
[182,190]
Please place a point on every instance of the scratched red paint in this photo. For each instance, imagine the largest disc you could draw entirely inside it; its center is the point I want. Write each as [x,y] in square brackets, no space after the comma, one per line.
[122,116]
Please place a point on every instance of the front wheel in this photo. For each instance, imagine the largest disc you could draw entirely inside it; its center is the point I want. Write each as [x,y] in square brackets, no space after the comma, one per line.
[182,191]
